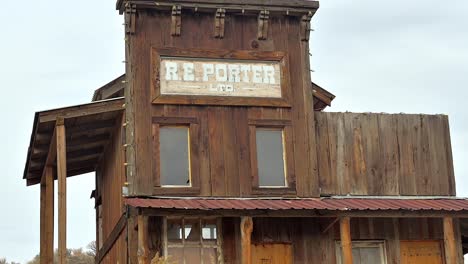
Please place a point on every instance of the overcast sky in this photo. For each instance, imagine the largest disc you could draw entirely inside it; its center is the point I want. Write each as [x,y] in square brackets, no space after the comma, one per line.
[375,56]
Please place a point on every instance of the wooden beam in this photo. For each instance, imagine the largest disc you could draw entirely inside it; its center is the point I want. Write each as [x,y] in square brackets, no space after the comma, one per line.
[346,245]
[143,248]
[49,214]
[112,238]
[82,110]
[451,255]
[330,225]
[62,190]
[43,243]
[246,236]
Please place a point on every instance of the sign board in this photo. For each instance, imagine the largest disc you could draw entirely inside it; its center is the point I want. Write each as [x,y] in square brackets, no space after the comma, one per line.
[219,77]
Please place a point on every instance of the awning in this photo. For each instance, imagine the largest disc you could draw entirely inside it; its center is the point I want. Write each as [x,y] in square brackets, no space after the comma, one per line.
[320,204]
[89,129]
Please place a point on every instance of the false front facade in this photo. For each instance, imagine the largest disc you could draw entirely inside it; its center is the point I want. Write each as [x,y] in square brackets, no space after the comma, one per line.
[213,148]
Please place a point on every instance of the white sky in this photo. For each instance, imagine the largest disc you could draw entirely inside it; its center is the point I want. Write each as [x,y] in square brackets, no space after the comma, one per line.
[376,56]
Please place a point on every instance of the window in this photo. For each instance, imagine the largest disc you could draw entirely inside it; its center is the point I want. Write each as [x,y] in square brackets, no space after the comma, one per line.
[270,157]
[365,252]
[174,149]
[192,240]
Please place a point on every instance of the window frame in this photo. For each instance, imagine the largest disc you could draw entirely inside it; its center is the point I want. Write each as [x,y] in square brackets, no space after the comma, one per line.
[191,244]
[192,125]
[290,179]
[363,244]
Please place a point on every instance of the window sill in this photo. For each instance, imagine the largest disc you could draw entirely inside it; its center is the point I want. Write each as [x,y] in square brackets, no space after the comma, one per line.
[269,191]
[183,191]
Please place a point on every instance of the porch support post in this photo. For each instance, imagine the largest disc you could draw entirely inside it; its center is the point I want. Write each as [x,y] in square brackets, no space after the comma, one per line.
[143,249]
[449,241]
[346,245]
[47,216]
[246,236]
[62,190]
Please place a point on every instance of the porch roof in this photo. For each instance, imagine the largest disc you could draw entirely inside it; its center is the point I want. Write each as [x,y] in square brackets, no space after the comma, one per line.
[386,204]
[88,130]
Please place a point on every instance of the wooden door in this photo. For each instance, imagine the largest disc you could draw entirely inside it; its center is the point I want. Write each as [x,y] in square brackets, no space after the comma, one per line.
[421,252]
[272,254]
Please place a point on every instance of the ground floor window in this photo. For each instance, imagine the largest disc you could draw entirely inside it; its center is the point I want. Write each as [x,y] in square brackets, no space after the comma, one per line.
[192,240]
[365,252]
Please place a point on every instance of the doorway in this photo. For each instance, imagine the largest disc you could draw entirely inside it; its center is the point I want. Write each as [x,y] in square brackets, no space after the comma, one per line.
[280,253]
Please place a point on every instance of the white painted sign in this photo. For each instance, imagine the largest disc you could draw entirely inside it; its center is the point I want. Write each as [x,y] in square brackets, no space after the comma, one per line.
[220,77]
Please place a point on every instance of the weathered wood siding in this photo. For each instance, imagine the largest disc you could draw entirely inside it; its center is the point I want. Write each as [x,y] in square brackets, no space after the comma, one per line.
[222,141]
[384,154]
[111,178]
[311,245]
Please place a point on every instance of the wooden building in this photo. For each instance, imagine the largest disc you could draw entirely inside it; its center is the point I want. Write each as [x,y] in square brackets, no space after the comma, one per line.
[213,148]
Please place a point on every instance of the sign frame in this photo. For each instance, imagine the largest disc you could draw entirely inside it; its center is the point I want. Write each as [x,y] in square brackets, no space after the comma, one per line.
[239,55]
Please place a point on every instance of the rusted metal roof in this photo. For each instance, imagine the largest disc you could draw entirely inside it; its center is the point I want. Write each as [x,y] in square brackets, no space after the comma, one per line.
[333,204]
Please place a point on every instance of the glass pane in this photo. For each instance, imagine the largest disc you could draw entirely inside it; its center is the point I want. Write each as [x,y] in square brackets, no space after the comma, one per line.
[175,255]
[370,256]
[356,257]
[174,151]
[270,157]
[192,230]
[174,230]
[209,229]
[210,256]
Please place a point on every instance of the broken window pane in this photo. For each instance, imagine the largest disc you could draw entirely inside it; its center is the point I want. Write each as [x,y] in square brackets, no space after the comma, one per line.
[192,230]
[174,156]
[270,157]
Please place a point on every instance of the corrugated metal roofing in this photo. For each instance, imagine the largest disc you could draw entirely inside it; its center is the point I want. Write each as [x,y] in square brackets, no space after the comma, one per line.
[333,204]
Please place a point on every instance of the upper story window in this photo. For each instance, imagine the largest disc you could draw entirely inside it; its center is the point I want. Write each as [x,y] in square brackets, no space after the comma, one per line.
[271,155]
[271,163]
[175,164]
[174,144]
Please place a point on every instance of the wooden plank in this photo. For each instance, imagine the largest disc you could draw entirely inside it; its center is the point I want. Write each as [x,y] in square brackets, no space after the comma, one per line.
[246,236]
[451,254]
[230,151]
[389,148]
[143,246]
[243,151]
[346,245]
[205,181]
[448,149]
[112,238]
[373,156]
[62,190]
[327,181]
[217,171]
[312,179]
[407,131]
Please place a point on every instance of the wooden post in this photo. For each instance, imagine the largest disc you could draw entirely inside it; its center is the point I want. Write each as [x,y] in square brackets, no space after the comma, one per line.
[47,216]
[346,245]
[449,241]
[43,244]
[62,190]
[246,236]
[143,249]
